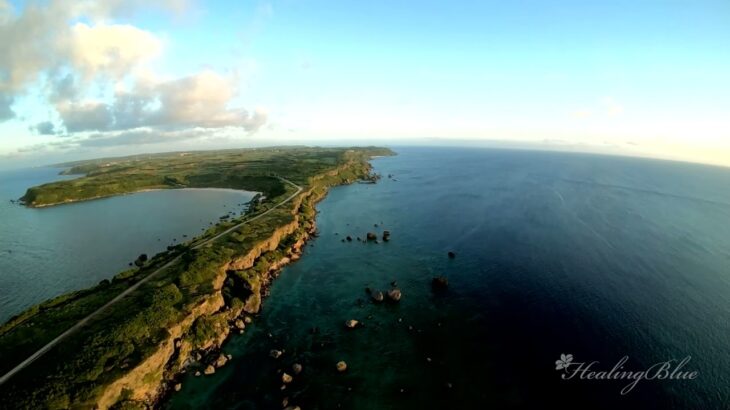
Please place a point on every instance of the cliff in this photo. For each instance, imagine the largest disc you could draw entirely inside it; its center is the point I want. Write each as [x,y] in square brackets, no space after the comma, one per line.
[149,381]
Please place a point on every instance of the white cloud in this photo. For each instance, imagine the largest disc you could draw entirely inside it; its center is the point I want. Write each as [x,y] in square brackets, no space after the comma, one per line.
[111,49]
[96,76]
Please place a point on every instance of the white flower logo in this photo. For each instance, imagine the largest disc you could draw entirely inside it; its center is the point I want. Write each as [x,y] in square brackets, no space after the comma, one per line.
[564,362]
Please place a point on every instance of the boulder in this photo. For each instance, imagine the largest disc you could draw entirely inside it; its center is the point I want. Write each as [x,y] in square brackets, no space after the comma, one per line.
[209,370]
[275,353]
[371,236]
[239,324]
[247,320]
[341,366]
[352,323]
[452,255]
[178,386]
[394,294]
[386,236]
[377,296]
[296,368]
[286,378]
[221,361]
[349,238]
[440,283]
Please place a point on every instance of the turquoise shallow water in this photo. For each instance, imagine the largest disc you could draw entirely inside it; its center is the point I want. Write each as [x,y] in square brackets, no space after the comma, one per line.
[49,251]
[594,256]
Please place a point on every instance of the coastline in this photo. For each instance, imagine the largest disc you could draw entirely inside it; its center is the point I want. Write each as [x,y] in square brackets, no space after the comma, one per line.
[213,290]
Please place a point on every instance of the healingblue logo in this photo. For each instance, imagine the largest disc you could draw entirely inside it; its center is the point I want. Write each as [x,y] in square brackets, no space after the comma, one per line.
[668,370]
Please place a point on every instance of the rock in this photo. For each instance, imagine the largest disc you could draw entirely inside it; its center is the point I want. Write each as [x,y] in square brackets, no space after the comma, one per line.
[286,378]
[386,236]
[293,408]
[239,324]
[341,366]
[197,374]
[394,283]
[178,343]
[394,294]
[229,356]
[452,255]
[178,386]
[349,238]
[296,368]
[275,353]
[209,370]
[284,402]
[221,361]
[377,296]
[247,320]
[440,283]
[371,236]
[352,323]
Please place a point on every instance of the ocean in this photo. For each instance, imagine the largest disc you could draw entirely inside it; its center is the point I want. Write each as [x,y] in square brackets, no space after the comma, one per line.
[615,261]
[593,256]
[46,252]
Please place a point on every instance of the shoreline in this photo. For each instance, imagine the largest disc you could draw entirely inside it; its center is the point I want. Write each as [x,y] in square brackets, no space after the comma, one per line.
[94,198]
[177,322]
[168,387]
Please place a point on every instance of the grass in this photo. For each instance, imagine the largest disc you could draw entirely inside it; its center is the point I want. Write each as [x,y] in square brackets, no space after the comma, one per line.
[75,372]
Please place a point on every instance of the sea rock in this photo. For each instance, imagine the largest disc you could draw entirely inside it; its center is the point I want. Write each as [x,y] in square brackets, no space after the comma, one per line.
[221,361]
[349,238]
[197,374]
[394,294]
[286,378]
[247,320]
[341,366]
[178,386]
[275,353]
[239,324]
[209,370]
[352,323]
[440,283]
[371,236]
[377,296]
[386,236]
[296,368]
[452,255]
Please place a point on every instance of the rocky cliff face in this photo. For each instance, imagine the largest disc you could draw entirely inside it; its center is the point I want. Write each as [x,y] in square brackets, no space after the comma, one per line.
[146,383]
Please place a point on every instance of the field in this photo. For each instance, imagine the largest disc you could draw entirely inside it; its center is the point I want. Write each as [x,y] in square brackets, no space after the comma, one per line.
[79,371]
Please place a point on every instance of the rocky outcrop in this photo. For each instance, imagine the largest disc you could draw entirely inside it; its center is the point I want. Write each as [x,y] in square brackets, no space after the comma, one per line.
[152,378]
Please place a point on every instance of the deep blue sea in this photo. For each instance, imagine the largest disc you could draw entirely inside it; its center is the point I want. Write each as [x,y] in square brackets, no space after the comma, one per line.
[46,252]
[594,256]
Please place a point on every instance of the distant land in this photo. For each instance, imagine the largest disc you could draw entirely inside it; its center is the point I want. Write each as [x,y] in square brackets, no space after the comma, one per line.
[122,343]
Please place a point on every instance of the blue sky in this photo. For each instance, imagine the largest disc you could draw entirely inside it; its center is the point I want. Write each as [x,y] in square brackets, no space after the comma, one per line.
[635,77]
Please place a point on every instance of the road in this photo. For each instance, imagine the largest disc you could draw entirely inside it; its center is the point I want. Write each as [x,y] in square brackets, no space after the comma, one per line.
[43,350]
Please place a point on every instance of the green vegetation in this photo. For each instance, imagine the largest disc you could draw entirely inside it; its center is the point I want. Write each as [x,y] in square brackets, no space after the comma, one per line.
[182,298]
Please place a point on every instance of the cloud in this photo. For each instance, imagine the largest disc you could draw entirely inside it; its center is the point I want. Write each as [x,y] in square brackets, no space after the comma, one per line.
[85,116]
[141,137]
[44,128]
[110,49]
[6,112]
[197,101]
[95,74]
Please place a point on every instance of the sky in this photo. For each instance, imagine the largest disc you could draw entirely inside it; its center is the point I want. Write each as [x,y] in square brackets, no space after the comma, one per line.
[83,78]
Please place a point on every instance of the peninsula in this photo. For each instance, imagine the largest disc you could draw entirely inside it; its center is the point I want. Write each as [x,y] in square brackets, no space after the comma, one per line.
[124,342]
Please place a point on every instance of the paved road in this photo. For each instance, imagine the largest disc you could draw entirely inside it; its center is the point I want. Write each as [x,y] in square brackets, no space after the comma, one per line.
[35,356]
